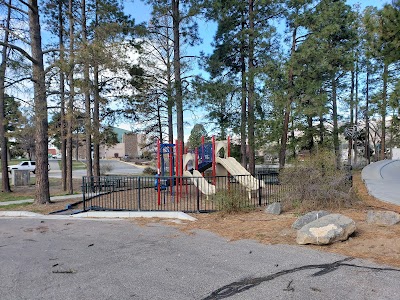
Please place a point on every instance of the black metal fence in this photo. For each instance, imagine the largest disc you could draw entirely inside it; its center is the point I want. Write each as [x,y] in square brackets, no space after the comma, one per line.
[188,194]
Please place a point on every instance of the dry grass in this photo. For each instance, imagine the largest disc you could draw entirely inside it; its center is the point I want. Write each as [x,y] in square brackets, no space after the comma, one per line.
[372,242]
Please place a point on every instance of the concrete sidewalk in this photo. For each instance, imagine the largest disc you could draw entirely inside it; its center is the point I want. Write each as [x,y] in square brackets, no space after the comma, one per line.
[53,199]
[98,215]
[382,180]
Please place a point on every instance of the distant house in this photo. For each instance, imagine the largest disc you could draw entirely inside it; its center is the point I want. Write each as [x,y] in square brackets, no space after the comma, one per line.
[52,151]
[129,144]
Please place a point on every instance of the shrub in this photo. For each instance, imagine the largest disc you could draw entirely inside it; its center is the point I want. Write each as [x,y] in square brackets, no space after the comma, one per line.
[316,183]
[231,202]
[149,171]
[106,168]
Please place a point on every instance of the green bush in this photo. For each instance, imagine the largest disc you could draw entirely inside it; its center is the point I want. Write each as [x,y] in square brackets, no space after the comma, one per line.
[231,202]
[149,171]
[316,183]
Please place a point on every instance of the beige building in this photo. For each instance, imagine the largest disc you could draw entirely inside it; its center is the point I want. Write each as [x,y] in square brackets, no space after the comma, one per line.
[131,144]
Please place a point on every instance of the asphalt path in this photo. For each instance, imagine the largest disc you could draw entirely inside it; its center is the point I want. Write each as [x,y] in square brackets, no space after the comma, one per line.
[103,259]
[382,179]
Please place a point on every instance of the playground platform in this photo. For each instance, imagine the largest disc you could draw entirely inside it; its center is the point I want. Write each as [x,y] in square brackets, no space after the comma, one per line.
[382,180]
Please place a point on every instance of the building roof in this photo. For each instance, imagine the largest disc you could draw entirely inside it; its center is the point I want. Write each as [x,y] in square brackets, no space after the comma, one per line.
[120,132]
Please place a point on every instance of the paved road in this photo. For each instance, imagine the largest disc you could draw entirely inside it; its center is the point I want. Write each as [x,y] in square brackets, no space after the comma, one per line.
[382,179]
[62,259]
[116,168]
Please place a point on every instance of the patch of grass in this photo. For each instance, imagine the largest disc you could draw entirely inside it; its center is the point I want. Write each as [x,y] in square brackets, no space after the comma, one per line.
[15,206]
[28,192]
[231,202]
[5,197]
[76,165]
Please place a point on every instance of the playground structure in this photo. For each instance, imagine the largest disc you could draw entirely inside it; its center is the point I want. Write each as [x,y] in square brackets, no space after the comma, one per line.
[184,164]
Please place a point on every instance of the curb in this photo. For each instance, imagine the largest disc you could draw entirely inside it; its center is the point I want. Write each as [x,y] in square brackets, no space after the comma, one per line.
[135,214]
[102,215]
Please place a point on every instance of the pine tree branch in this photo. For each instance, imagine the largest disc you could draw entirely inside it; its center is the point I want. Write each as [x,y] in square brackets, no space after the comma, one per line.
[17,81]
[20,50]
[14,7]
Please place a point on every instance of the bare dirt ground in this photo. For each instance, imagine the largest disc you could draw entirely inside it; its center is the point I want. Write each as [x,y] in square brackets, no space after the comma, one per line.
[372,242]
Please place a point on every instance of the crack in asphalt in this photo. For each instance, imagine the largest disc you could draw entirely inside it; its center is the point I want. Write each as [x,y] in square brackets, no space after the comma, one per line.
[249,283]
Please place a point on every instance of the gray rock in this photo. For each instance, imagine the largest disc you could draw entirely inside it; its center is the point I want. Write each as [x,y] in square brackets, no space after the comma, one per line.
[274,208]
[326,230]
[383,218]
[308,218]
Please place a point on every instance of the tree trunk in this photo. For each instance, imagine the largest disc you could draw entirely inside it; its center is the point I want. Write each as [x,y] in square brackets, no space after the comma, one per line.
[383,109]
[70,110]
[356,112]
[177,69]
[42,193]
[286,118]
[310,135]
[321,129]
[62,97]
[243,116]
[5,185]
[335,122]
[251,117]
[367,154]
[349,153]
[96,107]
[159,123]
[86,87]
[170,99]
[96,122]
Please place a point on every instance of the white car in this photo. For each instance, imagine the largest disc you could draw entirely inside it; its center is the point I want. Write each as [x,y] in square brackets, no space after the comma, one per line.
[28,165]
[24,165]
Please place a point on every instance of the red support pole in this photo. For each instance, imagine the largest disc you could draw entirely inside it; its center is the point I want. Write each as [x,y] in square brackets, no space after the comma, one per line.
[229,147]
[171,170]
[196,160]
[203,157]
[158,172]
[181,167]
[214,158]
[177,169]
[186,186]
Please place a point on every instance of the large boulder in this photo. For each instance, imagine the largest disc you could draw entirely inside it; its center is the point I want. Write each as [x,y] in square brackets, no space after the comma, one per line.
[326,230]
[383,218]
[274,208]
[308,218]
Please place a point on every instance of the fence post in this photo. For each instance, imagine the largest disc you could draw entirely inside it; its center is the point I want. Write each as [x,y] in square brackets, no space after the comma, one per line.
[198,196]
[138,188]
[259,189]
[83,193]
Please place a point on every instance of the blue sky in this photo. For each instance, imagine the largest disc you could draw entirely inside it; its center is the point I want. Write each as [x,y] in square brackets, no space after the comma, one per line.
[142,12]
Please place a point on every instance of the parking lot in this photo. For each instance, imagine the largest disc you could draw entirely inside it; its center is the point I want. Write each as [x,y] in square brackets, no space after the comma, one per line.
[106,259]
